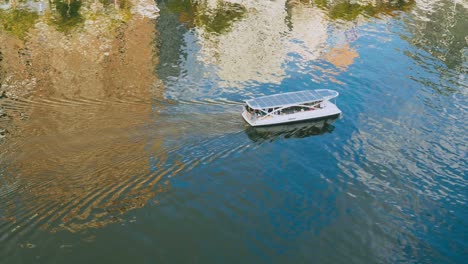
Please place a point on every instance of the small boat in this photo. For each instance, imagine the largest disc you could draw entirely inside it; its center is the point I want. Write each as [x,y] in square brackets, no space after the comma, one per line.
[292,107]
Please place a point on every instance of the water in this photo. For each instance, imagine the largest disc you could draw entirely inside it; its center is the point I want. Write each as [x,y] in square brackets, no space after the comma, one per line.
[121,138]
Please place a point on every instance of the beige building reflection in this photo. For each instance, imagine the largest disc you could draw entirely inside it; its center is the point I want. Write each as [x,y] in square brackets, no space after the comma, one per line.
[253,48]
[79,104]
[258,43]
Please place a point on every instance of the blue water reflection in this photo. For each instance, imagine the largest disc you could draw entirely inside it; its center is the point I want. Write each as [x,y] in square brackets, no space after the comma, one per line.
[387,184]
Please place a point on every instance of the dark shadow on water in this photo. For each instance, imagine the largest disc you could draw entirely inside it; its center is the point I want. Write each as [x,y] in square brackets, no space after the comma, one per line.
[297,130]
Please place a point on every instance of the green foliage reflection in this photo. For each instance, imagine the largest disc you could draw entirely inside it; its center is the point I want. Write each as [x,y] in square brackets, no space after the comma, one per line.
[219,20]
[348,10]
[214,20]
[17,21]
[67,14]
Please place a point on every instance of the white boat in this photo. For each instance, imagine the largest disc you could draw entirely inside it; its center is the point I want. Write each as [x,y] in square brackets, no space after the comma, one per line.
[292,107]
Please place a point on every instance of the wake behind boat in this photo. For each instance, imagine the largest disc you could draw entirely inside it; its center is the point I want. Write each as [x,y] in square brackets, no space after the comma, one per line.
[292,107]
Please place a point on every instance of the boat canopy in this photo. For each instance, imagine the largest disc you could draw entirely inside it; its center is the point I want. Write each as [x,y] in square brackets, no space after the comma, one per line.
[291,98]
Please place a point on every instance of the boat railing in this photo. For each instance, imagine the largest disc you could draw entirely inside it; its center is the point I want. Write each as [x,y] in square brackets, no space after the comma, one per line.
[284,111]
[280,111]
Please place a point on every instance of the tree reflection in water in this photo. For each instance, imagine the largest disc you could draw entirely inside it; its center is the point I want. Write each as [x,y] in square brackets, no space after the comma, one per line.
[17,21]
[67,14]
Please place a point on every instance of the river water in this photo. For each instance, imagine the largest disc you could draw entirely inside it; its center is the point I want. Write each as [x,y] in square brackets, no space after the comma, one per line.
[121,138]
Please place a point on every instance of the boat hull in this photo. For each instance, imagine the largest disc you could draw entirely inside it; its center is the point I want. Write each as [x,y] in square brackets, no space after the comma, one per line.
[329,110]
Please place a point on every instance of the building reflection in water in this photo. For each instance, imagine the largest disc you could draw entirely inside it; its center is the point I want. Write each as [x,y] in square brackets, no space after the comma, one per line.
[77,110]
[257,40]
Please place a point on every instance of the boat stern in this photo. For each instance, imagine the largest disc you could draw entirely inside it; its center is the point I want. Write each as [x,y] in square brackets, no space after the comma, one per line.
[248,118]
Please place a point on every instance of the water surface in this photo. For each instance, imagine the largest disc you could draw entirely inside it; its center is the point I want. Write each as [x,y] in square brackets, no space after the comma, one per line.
[121,137]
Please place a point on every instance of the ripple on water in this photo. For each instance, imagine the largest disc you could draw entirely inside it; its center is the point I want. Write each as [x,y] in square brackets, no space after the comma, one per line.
[84,168]
[384,183]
